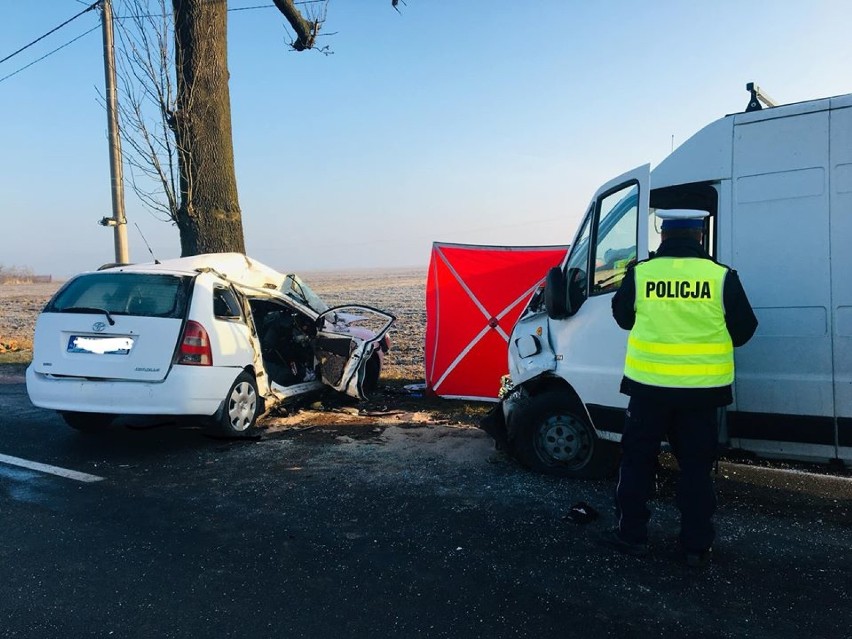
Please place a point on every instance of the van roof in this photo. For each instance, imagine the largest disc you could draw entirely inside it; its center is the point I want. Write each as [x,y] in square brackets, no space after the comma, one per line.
[707,156]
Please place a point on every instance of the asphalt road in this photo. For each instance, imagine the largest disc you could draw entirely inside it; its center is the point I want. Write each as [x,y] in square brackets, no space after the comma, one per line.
[316,536]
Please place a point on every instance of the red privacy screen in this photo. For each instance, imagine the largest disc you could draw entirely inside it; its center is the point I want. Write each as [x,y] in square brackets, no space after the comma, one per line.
[474,295]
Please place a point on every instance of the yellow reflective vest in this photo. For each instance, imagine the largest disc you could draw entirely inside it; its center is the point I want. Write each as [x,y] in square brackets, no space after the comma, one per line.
[679,338]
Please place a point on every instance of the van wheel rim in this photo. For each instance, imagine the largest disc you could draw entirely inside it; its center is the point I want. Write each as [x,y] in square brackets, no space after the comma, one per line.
[565,441]
[242,405]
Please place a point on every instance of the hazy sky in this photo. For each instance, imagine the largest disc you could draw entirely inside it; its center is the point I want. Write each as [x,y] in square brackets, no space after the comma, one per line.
[476,121]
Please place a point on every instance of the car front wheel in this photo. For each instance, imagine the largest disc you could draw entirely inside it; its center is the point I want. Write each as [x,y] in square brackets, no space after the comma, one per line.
[238,415]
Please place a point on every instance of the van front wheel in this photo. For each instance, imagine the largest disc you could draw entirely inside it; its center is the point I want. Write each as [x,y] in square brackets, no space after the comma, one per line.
[555,438]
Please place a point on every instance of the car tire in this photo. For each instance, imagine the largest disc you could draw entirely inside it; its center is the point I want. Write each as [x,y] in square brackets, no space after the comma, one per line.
[87,422]
[238,415]
[554,438]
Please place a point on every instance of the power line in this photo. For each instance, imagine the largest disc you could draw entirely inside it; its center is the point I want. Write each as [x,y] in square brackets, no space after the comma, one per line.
[257,6]
[250,8]
[97,26]
[86,10]
[96,4]
[269,6]
[89,8]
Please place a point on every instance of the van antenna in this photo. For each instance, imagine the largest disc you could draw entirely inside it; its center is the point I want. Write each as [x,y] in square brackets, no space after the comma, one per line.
[156,261]
[758,96]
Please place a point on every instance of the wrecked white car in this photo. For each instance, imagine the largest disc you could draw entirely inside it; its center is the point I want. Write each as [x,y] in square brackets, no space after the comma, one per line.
[219,336]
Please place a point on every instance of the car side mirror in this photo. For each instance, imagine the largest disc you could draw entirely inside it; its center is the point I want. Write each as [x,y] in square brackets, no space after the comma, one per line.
[556,294]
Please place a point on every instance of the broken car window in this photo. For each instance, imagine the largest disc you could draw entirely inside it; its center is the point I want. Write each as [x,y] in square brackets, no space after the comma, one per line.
[295,288]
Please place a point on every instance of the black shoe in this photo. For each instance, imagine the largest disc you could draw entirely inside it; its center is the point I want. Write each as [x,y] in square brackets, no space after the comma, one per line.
[699,559]
[611,539]
[581,513]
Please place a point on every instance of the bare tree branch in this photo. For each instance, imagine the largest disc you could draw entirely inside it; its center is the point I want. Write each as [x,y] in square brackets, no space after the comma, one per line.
[306,30]
[175,110]
[148,103]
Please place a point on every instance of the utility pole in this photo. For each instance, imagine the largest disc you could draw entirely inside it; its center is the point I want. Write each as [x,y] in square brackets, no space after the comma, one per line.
[118,220]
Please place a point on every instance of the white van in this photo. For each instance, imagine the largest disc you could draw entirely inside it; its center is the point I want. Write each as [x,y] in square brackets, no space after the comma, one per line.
[777,183]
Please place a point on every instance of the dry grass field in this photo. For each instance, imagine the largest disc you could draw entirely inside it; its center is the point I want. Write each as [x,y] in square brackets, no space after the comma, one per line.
[20,304]
[401,292]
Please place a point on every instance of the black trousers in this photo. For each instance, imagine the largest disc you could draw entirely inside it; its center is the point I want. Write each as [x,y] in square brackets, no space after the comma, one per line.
[693,435]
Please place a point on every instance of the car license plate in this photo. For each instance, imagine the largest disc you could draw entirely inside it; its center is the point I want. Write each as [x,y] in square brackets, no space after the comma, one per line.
[100,345]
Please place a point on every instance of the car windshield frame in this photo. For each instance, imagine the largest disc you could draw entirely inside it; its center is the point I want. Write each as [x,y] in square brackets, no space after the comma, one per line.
[297,289]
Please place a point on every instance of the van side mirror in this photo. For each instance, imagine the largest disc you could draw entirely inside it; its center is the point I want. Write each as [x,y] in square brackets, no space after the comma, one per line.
[576,289]
[556,294]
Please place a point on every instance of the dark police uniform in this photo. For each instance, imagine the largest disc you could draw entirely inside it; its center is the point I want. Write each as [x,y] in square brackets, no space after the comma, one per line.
[685,314]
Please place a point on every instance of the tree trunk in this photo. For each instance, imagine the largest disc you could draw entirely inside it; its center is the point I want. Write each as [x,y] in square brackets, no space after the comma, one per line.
[209,217]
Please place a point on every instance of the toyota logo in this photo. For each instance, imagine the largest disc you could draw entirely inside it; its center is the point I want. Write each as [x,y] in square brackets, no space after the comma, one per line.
[98,327]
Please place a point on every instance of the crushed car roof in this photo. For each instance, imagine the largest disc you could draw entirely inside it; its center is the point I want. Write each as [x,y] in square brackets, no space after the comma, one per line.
[235,267]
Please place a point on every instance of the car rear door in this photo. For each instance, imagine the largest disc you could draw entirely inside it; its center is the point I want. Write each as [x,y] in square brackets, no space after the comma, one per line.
[112,325]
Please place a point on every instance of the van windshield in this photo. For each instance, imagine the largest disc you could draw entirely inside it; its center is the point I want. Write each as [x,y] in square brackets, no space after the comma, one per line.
[140,294]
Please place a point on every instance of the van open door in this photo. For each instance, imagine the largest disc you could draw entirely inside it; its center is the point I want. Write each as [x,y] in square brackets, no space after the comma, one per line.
[613,237]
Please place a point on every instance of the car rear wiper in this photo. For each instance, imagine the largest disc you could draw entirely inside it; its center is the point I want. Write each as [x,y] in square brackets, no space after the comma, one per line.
[89,309]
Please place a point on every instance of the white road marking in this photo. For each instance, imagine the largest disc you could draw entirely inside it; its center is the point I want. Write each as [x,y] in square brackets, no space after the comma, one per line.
[46,468]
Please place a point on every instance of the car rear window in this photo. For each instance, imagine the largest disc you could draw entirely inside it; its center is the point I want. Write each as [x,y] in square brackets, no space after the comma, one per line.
[140,294]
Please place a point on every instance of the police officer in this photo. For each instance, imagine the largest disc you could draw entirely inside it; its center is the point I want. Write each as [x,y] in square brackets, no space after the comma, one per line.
[685,313]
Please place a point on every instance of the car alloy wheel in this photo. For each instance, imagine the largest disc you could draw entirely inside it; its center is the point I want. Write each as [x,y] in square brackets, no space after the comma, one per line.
[239,411]
[242,406]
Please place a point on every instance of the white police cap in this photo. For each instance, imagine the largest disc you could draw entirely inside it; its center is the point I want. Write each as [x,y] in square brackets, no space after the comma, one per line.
[682,218]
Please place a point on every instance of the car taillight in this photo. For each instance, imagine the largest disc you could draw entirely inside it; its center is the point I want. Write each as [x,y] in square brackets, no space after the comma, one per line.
[194,346]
